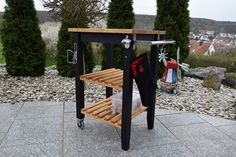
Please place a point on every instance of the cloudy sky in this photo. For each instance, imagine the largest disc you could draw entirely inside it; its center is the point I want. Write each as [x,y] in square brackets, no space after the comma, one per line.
[212,9]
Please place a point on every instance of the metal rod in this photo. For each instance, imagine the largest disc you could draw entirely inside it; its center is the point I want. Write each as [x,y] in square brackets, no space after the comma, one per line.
[161,42]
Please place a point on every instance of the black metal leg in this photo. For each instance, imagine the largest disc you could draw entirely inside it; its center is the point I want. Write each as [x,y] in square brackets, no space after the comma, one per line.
[79,84]
[151,112]
[109,92]
[153,66]
[109,64]
[127,100]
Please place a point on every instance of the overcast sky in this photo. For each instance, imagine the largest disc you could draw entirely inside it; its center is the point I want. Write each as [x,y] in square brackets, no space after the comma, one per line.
[213,9]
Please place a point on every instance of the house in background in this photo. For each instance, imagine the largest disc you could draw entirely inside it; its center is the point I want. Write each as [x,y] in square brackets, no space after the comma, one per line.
[222,43]
[202,48]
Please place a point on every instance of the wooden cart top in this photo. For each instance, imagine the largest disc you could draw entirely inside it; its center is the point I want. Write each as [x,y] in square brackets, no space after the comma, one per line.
[117,31]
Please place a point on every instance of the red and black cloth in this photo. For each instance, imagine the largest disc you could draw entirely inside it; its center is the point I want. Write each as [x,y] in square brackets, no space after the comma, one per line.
[143,78]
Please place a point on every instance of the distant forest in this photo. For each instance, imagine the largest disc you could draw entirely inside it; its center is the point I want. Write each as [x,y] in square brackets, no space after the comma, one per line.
[147,21]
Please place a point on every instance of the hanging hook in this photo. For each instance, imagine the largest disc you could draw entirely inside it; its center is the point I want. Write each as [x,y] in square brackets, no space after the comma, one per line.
[69,52]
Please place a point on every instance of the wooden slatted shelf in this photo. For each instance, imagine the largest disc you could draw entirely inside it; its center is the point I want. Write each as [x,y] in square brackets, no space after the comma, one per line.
[117,31]
[110,77]
[102,110]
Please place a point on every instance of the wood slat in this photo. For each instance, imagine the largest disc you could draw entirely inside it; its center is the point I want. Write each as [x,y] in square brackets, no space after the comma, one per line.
[114,79]
[98,106]
[109,117]
[104,76]
[116,118]
[103,111]
[110,77]
[101,30]
[93,105]
[135,114]
[116,31]
[118,82]
[97,73]
[138,112]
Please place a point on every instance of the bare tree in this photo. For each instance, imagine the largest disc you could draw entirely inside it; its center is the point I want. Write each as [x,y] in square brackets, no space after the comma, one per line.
[88,11]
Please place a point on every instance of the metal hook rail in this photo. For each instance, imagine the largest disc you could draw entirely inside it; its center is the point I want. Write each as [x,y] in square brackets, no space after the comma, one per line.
[126,42]
[161,42]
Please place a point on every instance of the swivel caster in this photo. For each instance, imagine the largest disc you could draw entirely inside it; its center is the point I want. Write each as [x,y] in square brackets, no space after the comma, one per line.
[174,91]
[80,123]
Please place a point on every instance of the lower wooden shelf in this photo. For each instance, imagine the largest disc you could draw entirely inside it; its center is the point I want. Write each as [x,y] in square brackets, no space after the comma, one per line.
[102,110]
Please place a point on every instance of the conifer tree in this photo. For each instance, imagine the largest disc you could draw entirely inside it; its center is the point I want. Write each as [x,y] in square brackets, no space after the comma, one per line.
[65,42]
[120,15]
[72,14]
[173,17]
[24,48]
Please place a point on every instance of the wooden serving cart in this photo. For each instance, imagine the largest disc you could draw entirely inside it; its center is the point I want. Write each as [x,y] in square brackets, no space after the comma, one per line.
[114,78]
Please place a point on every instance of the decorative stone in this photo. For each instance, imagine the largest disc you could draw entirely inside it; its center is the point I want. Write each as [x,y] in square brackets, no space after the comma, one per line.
[213,81]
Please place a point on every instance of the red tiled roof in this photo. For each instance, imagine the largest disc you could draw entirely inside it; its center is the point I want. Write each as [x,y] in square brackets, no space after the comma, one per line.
[198,47]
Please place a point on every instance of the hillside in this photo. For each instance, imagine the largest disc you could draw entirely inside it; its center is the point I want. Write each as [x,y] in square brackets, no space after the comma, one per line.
[144,21]
[218,26]
[147,22]
[43,16]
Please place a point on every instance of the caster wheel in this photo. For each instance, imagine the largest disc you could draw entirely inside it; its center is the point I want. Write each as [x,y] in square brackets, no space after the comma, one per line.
[174,91]
[80,124]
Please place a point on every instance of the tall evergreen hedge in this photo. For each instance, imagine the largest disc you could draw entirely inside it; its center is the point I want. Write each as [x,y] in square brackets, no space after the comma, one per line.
[120,15]
[24,48]
[173,17]
[66,41]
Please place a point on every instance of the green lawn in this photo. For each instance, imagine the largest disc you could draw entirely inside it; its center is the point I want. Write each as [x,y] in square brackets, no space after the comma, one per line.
[231,76]
[2,61]
[50,62]
[226,61]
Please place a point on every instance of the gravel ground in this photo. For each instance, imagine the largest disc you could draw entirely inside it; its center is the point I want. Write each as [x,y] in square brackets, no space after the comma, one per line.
[51,87]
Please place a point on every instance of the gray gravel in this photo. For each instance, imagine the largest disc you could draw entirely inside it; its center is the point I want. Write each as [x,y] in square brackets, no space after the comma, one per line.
[195,98]
[52,87]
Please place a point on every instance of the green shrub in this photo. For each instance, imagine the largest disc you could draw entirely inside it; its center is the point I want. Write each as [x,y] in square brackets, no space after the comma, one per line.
[89,58]
[50,62]
[228,62]
[231,76]
[2,60]
[120,15]
[66,41]
[23,47]
[173,17]
[142,49]
[226,51]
